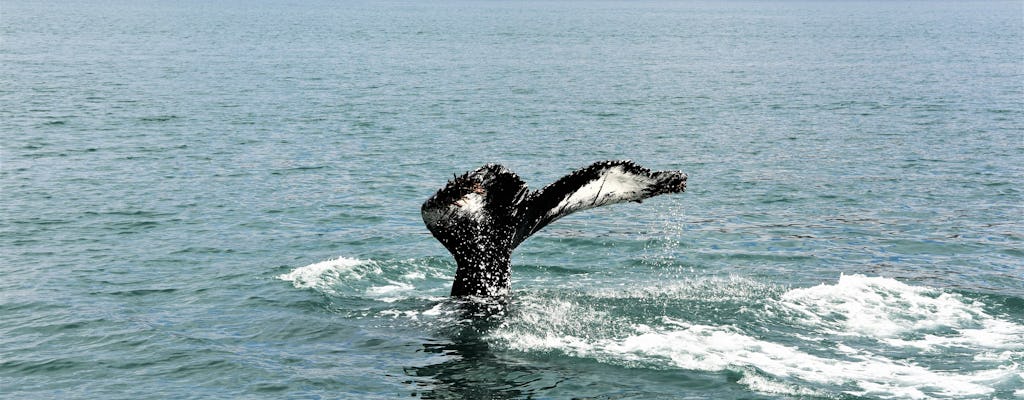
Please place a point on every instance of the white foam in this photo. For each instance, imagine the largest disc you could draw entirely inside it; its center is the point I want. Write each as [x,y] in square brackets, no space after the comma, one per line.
[436,310]
[716,348]
[408,314]
[887,309]
[764,384]
[390,293]
[384,281]
[313,275]
[856,307]
[415,275]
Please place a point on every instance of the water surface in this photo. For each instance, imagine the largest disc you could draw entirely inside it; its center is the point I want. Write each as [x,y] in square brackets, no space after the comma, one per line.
[222,200]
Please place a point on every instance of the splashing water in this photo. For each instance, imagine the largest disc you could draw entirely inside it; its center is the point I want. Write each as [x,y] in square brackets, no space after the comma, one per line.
[861,336]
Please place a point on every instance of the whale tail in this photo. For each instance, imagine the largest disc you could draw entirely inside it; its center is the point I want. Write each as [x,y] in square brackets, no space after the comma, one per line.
[482,215]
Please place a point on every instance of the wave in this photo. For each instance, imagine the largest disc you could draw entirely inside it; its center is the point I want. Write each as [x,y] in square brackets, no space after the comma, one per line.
[388,281]
[900,315]
[862,336]
[859,336]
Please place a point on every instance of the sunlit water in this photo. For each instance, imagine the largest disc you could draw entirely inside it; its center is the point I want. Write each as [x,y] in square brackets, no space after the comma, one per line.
[222,200]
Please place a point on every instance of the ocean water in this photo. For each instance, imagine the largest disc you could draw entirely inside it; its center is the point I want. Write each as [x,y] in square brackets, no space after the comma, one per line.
[221,199]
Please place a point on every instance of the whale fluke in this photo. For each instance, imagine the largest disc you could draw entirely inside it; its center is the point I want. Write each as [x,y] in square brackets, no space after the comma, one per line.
[483,215]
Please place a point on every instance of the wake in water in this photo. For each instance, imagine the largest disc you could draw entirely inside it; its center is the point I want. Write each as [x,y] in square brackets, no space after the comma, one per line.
[859,336]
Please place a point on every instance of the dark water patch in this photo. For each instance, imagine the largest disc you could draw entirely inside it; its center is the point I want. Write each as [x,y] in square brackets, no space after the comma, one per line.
[39,221]
[159,118]
[129,213]
[140,292]
[321,304]
[773,199]
[600,114]
[29,367]
[137,365]
[12,305]
[61,323]
[270,388]
[741,256]
[202,250]
[34,146]
[127,228]
[203,367]
[287,171]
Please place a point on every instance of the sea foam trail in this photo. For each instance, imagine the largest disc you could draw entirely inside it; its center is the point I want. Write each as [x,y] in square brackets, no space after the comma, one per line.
[859,336]
[313,275]
[824,340]
[323,276]
[383,281]
[900,315]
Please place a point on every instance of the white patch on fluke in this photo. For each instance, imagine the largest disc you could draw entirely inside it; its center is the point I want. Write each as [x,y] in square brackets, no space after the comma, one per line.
[472,205]
[614,185]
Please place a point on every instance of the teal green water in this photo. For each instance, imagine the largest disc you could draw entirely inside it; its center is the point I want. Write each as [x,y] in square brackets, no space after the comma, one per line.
[222,200]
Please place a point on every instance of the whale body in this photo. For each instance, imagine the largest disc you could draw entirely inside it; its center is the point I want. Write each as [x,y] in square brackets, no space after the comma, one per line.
[484,214]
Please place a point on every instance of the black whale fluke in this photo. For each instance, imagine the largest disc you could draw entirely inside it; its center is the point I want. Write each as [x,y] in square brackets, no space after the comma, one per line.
[482,215]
